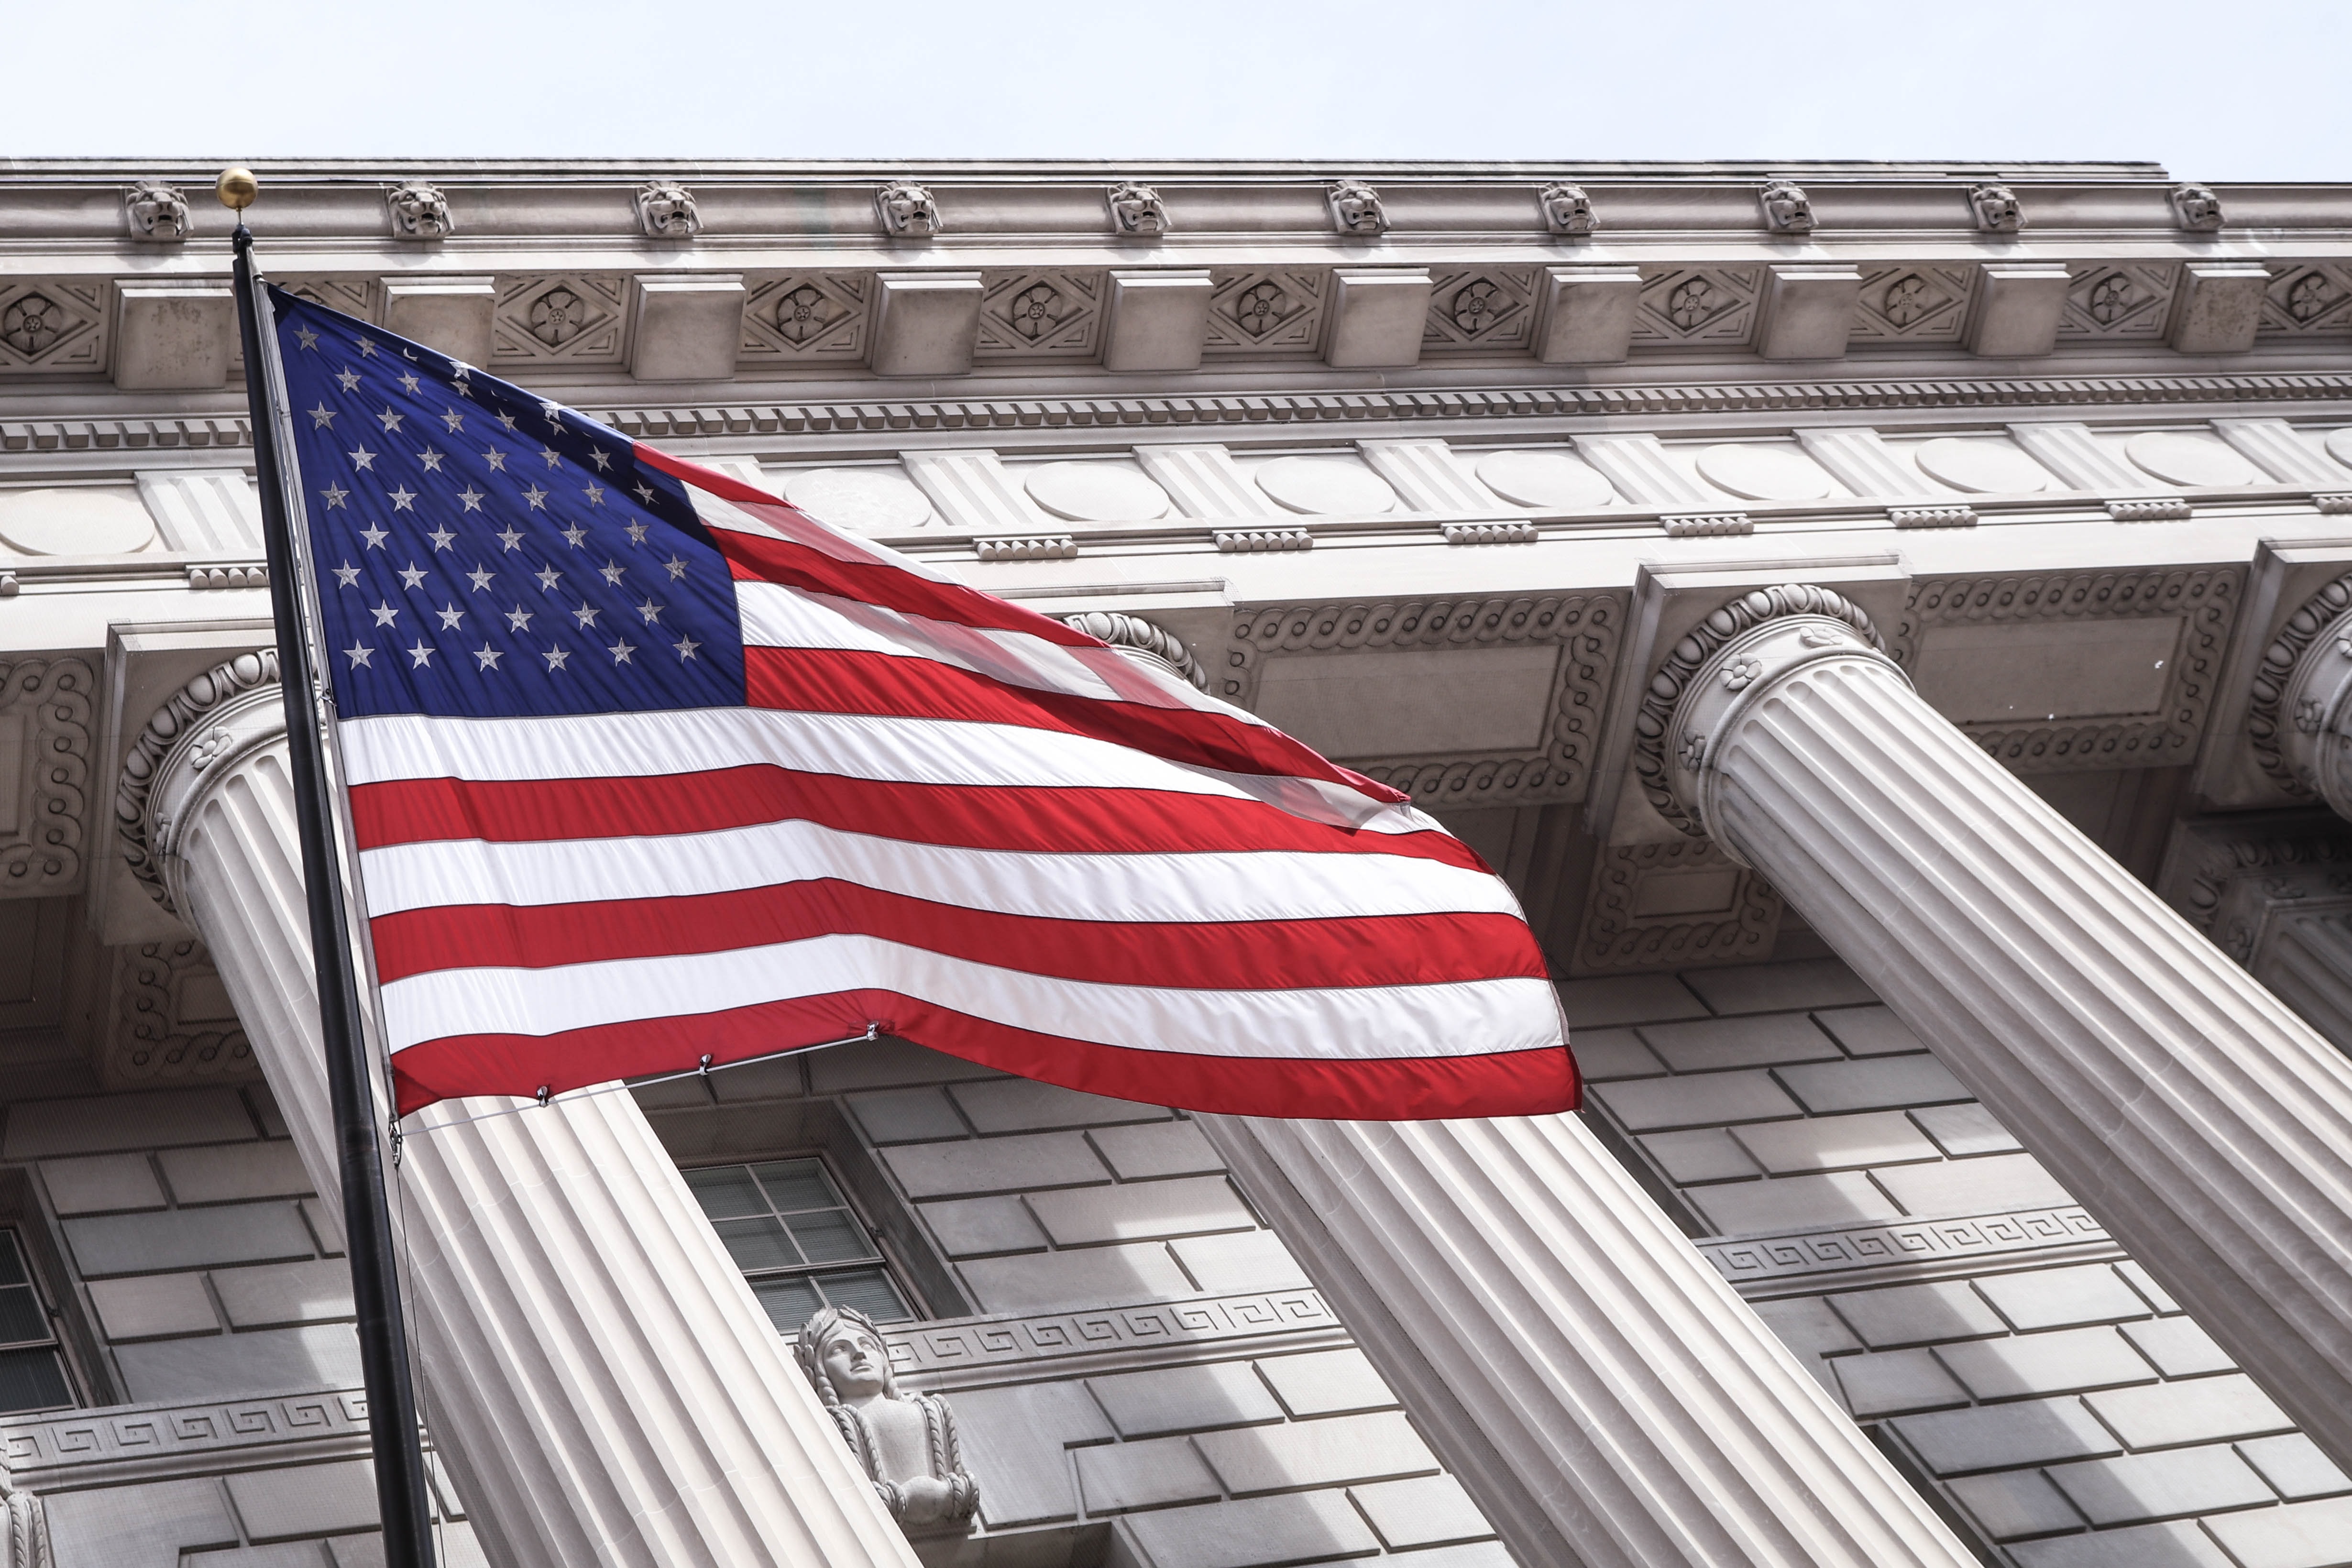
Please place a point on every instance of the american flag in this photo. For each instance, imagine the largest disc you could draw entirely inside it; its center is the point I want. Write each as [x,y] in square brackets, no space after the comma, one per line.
[647,767]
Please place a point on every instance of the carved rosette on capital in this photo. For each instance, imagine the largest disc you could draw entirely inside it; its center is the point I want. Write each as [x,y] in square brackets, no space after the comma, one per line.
[222,716]
[906,1443]
[1729,660]
[2299,716]
[1141,641]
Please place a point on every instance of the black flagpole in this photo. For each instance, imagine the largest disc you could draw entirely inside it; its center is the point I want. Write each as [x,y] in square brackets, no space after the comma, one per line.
[367,1222]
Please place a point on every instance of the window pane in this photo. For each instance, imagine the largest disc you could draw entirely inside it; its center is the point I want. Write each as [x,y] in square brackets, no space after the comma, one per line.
[869,1290]
[12,1263]
[797,1184]
[726,1192]
[758,1244]
[789,1303]
[21,1317]
[32,1380]
[831,1236]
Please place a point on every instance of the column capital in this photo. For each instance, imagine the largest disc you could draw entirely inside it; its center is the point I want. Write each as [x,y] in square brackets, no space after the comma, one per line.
[1725,663]
[219,716]
[2299,716]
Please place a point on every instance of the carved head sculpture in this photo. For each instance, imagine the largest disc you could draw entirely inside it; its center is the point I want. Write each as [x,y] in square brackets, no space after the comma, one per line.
[905,1444]
[1995,208]
[1356,208]
[2197,208]
[1566,210]
[156,211]
[666,210]
[906,211]
[1787,209]
[843,1354]
[1136,210]
[419,210]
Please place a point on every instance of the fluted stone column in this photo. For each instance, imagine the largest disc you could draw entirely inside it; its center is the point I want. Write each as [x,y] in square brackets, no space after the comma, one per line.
[2206,1125]
[594,1369]
[1592,1379]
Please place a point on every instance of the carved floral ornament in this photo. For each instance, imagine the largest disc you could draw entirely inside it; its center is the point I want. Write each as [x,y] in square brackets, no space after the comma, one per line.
[215,718]
[1818,623]
[156,211]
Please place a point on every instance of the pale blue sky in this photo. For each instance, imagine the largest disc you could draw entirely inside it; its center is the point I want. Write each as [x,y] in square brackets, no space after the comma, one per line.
[2214,91]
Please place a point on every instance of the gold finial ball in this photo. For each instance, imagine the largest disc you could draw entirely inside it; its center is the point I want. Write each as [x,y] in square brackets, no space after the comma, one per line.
[237,187]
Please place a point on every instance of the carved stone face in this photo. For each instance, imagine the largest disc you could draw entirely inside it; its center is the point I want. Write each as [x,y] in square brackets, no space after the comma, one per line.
[856,1361]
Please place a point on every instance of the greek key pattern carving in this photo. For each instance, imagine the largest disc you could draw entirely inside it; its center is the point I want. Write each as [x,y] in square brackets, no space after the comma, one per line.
[2205,603]
[200,1432]
[44,723]
[1760,1258]
[952,1347]
[1737,917]
[1585,626]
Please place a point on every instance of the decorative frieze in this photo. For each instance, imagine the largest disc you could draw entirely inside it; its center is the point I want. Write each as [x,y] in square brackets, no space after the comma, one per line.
[53,325]
[1673,907]
[1488,308]
[2155,715]
[1266,311]
[45,741]
[578,318]
[806,318]
[1915,1246]
[1563,704]
[171,1021]
[109,1447]
[1913,304]
[975,1351]
[2308,299]
[1039,315]
[2120,300]
[1711,307]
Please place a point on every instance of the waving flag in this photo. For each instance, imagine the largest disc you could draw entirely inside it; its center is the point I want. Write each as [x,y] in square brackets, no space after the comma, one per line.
[647,767]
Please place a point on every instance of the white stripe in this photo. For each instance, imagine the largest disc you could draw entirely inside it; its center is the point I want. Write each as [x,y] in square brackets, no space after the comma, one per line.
[1267,885]
[1469,1018]
[385,746]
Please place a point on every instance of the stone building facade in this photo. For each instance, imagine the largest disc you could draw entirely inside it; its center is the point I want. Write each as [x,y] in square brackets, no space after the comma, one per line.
[1890,625]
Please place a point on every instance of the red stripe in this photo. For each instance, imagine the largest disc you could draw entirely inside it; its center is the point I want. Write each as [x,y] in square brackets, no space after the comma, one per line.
[763,559]
[1507,1084]
[1239,956]
[961,816]
[845,681]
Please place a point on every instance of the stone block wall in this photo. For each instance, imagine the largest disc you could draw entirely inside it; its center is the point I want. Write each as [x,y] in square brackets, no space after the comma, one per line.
[1942,1284]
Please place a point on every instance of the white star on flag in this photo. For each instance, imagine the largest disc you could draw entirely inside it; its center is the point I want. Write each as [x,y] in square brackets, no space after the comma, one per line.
[322,415]
[347,576]
[359,655]
[489,656]
[336,495]
[450,615]
[385,613]
[472,497]
[374,537]
[621,651]
[480,578]
[349,379]
[422,654]
[411,576]
[440,537]
[404,499]
[555,655]
[389,417]
[518,617]
[363,458]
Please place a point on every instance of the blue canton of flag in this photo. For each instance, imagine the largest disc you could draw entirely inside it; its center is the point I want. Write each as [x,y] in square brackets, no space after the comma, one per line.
[481,552]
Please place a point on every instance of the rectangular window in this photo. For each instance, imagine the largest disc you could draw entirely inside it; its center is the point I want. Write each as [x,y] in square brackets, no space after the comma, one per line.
[32,1372]
[798,1243]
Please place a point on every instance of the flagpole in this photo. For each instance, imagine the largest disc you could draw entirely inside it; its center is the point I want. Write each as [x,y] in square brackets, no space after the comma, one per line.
[367,1220]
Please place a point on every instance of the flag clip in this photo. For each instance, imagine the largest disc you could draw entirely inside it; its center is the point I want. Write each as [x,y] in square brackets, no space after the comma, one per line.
[706,1064]
[542,1097]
